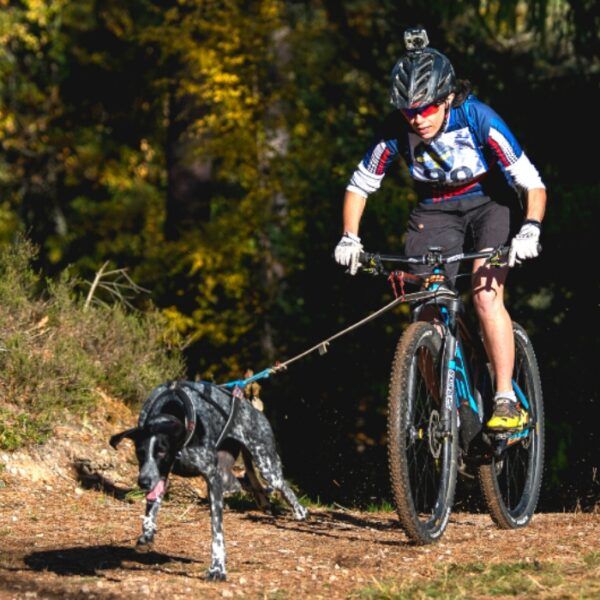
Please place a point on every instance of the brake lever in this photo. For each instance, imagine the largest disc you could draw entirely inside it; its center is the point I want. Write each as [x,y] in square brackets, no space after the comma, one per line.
[373,266]
[498,258]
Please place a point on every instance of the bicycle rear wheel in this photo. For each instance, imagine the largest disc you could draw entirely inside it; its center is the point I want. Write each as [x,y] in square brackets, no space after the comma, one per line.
[422,439]
[511,482]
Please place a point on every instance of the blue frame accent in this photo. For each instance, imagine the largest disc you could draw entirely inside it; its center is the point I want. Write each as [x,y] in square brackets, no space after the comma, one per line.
[462,387]
[520,395]
[520,434]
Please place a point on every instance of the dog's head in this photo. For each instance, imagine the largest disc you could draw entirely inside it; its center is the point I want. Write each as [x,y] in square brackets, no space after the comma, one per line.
[156,446]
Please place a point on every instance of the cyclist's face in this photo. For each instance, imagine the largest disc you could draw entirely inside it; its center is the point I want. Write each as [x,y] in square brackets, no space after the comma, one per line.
[426,121]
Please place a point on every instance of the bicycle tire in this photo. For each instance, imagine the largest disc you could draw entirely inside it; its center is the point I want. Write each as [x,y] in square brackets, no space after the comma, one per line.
[511,483]
[422,461]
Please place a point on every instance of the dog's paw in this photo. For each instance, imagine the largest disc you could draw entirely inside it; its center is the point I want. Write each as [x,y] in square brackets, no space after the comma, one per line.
[231,486]
[268,509]
[216,574]
[300,513]
[143,544]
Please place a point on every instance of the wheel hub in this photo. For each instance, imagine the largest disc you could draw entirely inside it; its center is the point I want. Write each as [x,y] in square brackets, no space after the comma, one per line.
[435,437]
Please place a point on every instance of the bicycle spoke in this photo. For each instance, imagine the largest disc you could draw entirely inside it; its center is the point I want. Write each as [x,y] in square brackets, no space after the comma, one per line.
[424,467]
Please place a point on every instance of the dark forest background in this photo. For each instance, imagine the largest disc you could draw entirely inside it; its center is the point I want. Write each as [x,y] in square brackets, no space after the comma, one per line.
[205,145]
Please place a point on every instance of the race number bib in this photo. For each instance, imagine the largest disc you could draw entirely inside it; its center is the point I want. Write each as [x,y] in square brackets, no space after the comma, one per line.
[451,159]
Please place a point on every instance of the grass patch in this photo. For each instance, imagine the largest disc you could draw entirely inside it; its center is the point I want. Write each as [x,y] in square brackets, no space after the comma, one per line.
[518,579]
[316,503]
[56,354]
[135,495]
[592,560]
[19,429]
[383,506]
[309,503]
[240,501]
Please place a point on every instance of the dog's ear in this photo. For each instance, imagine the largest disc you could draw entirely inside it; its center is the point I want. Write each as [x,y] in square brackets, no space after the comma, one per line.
[115,440]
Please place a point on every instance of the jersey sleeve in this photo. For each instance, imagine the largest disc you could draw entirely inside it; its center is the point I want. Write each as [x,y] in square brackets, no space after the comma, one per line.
[498,138]
[371,170]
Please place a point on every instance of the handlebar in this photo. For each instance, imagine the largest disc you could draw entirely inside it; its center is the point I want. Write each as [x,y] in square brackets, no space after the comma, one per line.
[433,258]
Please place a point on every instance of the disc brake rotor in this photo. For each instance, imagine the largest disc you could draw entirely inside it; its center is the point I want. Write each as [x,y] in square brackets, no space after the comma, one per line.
[434,437]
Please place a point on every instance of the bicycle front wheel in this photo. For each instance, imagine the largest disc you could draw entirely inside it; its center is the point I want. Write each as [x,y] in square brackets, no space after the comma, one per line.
[511,482]
[422,440]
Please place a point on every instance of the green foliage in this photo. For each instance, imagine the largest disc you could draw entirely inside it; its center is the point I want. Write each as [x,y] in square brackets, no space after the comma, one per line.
[58,357]
[315,504]
[383,506]
[135,495]
[93,90]
[19,429]
[592,560]
[232,86]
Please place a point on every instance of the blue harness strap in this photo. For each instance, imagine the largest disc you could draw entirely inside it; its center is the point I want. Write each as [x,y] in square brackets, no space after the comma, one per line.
[244,382]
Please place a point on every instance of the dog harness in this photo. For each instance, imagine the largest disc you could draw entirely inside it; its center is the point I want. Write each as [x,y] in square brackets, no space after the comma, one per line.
[154,405]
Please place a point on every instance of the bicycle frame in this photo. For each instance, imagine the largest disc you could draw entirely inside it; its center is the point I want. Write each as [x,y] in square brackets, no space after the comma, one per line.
[436,408]
[458,385]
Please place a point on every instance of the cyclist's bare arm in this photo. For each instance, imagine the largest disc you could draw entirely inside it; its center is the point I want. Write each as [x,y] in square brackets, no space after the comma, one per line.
[536,204]
[354,206]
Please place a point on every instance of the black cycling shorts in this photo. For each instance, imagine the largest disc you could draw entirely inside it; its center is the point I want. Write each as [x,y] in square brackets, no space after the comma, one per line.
[463,229]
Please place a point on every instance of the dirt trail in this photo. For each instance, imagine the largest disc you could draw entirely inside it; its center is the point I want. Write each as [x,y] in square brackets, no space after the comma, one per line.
[70,532]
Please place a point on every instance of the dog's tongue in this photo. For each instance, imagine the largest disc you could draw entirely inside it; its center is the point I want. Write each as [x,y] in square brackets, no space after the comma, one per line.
[157,491]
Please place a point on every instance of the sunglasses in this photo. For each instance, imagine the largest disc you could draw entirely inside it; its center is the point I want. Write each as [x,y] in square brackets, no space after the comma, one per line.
[424,111]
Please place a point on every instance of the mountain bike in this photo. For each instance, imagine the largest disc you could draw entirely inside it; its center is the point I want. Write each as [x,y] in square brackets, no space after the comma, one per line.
[441,396]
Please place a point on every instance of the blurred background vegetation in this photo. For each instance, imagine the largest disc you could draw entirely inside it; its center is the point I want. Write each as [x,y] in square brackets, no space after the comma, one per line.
[205,145]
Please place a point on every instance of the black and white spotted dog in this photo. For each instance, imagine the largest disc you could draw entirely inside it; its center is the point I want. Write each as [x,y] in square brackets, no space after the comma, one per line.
[194,429]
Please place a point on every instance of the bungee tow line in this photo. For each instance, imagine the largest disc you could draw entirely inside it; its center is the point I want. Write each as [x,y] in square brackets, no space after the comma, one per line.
[322,347]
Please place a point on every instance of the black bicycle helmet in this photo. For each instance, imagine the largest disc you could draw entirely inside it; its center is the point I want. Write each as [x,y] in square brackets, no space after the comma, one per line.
[422,75]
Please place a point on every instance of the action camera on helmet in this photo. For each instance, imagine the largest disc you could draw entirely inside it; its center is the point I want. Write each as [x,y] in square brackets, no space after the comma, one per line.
[415,39]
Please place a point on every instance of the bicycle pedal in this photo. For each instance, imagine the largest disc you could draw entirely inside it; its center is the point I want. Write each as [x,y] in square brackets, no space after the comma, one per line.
[507,434]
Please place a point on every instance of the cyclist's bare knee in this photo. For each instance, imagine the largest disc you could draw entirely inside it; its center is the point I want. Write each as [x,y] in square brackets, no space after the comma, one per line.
[488,278]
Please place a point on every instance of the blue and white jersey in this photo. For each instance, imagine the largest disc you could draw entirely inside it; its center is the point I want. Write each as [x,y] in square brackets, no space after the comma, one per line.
[475,155]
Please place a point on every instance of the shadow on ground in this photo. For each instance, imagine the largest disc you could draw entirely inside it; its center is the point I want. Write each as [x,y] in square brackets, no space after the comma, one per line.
[336,525]
[91,478]
[94,559]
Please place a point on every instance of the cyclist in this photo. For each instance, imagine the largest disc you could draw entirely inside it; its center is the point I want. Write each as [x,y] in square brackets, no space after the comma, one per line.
[466,165]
